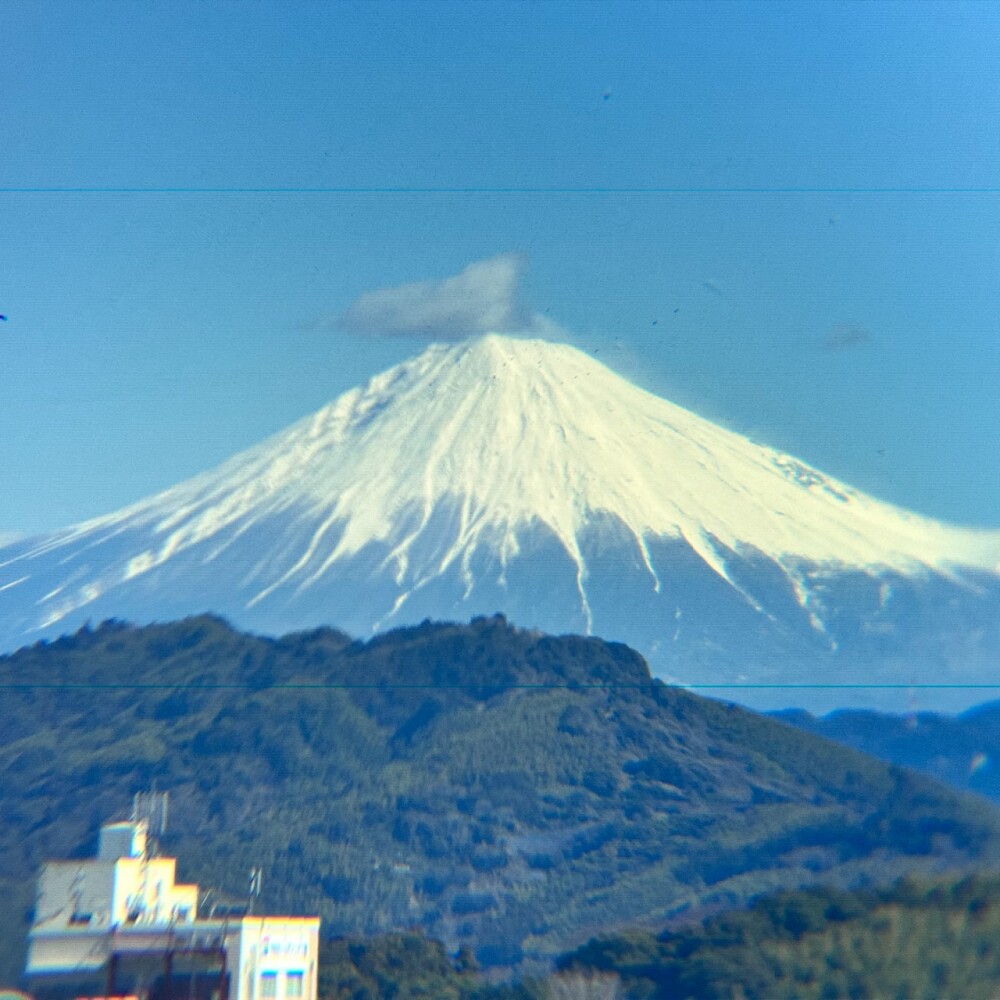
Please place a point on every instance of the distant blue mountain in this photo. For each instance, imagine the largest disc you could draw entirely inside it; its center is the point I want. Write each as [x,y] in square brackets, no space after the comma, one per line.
[962,751]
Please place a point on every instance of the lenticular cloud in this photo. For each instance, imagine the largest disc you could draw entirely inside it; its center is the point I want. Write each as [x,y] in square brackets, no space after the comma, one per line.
[481,298]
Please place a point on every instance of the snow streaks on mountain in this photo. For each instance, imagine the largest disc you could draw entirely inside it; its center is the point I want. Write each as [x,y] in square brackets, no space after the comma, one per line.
[519,476]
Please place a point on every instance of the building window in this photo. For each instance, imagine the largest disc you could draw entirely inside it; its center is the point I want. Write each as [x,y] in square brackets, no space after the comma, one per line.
[268,985]
[293,985]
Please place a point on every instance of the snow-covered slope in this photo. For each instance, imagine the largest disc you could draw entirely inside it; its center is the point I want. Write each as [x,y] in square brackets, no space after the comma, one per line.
[497,474]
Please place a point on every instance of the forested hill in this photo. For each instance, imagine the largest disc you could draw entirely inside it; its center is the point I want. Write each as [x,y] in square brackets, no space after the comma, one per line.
[920,940]
[501,789]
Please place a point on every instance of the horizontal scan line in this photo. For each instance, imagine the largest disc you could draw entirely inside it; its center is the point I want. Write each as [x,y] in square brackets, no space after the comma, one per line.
[57,189]
[494,685]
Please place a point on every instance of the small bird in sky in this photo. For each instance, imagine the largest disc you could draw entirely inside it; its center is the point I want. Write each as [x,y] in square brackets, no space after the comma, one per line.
[3,318]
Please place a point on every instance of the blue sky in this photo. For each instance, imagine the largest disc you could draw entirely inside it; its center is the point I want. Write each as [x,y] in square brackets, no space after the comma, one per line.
[784,216]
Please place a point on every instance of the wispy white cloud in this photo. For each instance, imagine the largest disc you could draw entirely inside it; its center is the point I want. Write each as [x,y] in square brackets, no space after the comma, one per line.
[482,298]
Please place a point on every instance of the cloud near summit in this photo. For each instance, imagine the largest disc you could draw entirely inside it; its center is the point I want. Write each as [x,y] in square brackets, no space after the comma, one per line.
[482,298]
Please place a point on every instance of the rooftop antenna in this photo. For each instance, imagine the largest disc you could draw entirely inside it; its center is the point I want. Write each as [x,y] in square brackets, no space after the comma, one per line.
[151,808]
[254,894]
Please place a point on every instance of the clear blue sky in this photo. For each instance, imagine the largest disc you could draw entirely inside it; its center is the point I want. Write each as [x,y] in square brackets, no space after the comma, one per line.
[785,216]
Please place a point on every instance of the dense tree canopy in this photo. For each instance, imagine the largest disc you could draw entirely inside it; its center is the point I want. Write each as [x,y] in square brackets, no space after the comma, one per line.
[500,789]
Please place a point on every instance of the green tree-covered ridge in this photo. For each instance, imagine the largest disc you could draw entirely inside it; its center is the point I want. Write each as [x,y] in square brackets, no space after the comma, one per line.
[502,789]
[917,940]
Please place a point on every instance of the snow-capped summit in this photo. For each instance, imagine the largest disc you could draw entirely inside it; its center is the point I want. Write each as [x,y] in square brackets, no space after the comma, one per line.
[503,474]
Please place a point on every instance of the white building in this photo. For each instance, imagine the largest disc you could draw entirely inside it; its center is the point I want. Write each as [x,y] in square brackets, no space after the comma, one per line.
[122,916]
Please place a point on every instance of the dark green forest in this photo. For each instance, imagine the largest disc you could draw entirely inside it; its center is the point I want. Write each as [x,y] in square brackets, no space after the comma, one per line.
[504,791]
[915,940]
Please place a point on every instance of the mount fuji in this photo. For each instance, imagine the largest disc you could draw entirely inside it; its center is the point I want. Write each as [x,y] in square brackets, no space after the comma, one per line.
[521,476]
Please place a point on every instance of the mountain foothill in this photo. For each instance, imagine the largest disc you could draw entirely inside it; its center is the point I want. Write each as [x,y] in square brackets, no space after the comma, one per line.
[501,789]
